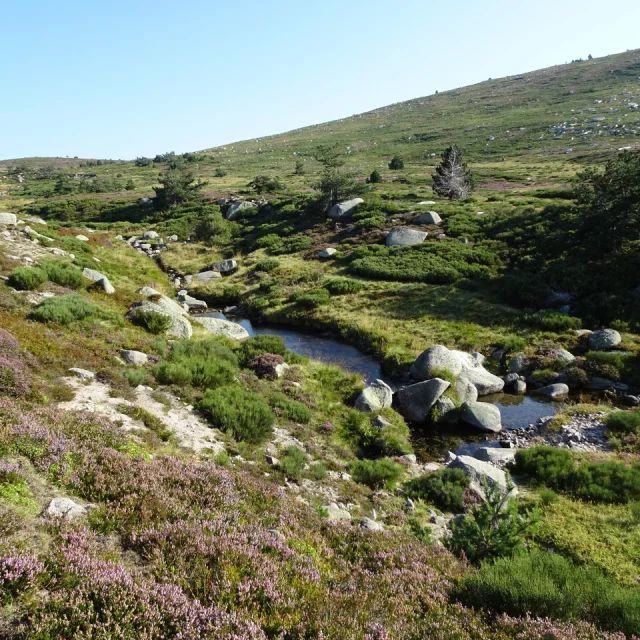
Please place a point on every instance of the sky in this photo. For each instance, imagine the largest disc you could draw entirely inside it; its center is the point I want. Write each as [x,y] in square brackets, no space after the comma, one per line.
[121,79]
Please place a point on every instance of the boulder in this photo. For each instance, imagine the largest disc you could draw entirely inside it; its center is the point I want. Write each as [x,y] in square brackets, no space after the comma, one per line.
[517,363]
[602,384]
[379,421]
[236,207]
[180,326]
[191,302]
[219,327]
[136,358]
[417,400]
[558,390]
[404,237]
[510,380]
[520,388]
[378,395]
[64,508]
[565,356]
[344,209]
[83,374]
[443,406]
[327,253]
[204,277]
[8,219]
[224,266]
[147,292]
[82,238]
[150,235]
[495,455]
[481,415]
[604,339]
[107,286]
[479,471]
[334,512]
[484,381]
[465,390]
[371,525]
[436,358]
[428,217]
[96,276]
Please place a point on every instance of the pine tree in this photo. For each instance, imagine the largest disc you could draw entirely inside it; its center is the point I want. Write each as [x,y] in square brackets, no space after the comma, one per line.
[299,170]
[335,185]
[375,177]
[452,178]
[178,186]
[396,163]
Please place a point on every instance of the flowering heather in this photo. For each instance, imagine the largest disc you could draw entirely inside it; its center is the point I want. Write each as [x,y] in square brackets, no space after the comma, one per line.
[17,574]
[15,376]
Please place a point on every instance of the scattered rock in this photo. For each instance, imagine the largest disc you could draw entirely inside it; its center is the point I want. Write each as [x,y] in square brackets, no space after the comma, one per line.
[148,292]
[435,358]
[204,277]
[558,390]
[8,219]
[417,400]
[224,266]
[100,278]
[344,209]
[565,356]
[482,415]
[64,508]
[334,512]
[444,405]
[237,207]
[82,238]
[180,326]
[428,217]
[327,253]
[150,235]
[272,460]
[83,374]
[220,327]
[494,455]
[403,237]
[517,363]
[520,387]
[604,339]
[379,421]
[378,395]
[372,525]
[136,358]
[479,471]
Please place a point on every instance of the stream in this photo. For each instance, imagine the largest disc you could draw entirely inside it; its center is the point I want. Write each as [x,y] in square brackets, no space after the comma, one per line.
[430,442]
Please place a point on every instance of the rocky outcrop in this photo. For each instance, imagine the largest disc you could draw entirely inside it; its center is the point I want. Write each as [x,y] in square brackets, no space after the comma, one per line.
[417,400]
[604,339]
[224,266]
[403,237]
[219,327]
[553,391]
[482,416]
[344,209]
[180,327]
[428,217]
[136,358]
[378,395]
[479,472]
[236,207]
[8,219]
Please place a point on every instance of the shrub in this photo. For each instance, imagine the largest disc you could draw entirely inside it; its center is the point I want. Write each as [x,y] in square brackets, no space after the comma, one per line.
[546,585]
[396,163]
[375,177]
[154,322]
[623,421]
[265,365]
[376,473]
[319,471]
[220,172]
[63,274]
[342,286]
[27,278]
[293,462]
[244,415]
[134,376]
[292,245]
[267,265]
[444,488]
[549,497]
[291,409]
[257,345]
[313,298]
[71,308]
[266,184]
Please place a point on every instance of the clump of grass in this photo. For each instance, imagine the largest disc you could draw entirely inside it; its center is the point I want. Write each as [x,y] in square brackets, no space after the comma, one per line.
[63,274]
[377,474]
[27,278]
[444,488]
[267,265]
[148,419]
[72,308]
[313,298]
[293,462]
[291,409]
[343,286]
[152,321]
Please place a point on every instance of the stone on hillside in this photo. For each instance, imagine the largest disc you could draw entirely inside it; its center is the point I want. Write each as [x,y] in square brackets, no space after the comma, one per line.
[481,415]
[478,471]
[236,207]
[558,390]
[484,381]
[465,390]
[148,292]
[225,266]
[35,220]
[327,253]
[520,388]
[376,396]
[495,455]
[344,209]
[404,237]
[83,374]
[191,302]
[180,326]
[220,327]
[604,339]
[64,508]
[444,405]
[417,400]
[428,217]
[136,358]
[204,277]
[221,202]
[379,421]
[334,512]
[371,525]
[517,363]
[172,238]
[107,286]
[8,219]
[96,276]
[150,235]
[436,358]
[82,238]
[565,356]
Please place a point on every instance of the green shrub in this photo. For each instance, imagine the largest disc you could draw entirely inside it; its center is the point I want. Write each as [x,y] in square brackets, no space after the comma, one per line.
[623,421]
[267,265]
[396,163]
[318,471]
[444,488]
[67,309]
[134,376]
[257,345]
[173,373]
[244,415]
[375,177]
[342,286]
[552,321]
[313,298]
[291,409]
[293,462]
[546,585]
[27,278]
[152,321]
[63,274]
[376,473]
[291,245]
[549,497]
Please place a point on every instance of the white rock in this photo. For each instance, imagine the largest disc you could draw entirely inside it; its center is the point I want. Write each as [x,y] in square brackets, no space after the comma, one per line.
[8,219]
[83,374]
[327,253]
[403,237]
[344,209]
[136,358]
[220,327]
[82,238]
[64,508]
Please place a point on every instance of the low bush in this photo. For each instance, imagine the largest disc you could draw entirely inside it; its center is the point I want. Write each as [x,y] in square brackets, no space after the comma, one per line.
[342,286]
[293,462]
[444,488]
[257,345]
[318,471]
[135,377]
[244,415]
[267,265]
[63,274]
[152,321]
[552,321]
[290,409]
[313,298]
[265,365]
[27,278]
[623,421]
[72,308]
[377,474]
[546,585]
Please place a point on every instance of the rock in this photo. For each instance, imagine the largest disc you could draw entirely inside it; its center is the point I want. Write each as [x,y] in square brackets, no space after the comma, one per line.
[219,327]
[172,238]
[136,358]
[604,339]
[180,326]
[148,292]
[280,369]
[344,209]
[236,207]
[150,235]
[479,471]
[380,422]
[204,277]
[558,390]
[435,358]
[444,405]
[582,332]
[417,400]
[96,276]
[484,381]
[428,217]
[64,508]
[82,238]
[34,220]
[495,455]
[403,237]
[192,303]
[272,460]
[107,286]
[517,363]
[372,525]
[8,219]
[441,236]
[145,201]
[221,202]
[327,253]
[83,374]
[602,384]
[482,415]
[224,266]
[378,395]
[510,380]
[409,458]
[520,388]
[334,512]
[478,357]
[465,390]
[565,356]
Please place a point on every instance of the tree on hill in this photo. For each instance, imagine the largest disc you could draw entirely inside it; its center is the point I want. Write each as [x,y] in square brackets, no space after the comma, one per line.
[266,184]
[335,184]
[299,170]
[452,178]
[375,177]
[396,163]
[178,185]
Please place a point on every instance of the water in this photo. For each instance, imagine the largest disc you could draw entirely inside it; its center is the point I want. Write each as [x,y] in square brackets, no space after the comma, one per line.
[316,347]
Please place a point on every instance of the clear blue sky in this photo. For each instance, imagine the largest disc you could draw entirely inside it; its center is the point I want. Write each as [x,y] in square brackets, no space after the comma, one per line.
[116,79]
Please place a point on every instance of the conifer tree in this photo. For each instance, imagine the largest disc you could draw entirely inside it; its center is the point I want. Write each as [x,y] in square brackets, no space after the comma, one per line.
[452,178]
